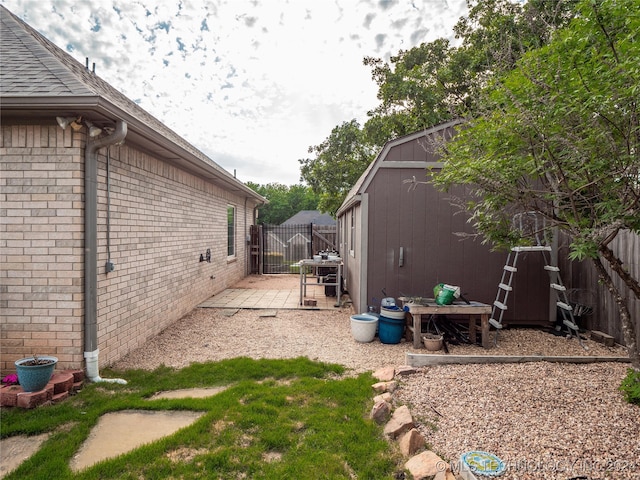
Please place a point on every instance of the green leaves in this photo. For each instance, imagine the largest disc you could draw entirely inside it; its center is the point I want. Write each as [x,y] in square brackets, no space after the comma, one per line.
[284,201]
[559,134]
[432,83]
[339,161]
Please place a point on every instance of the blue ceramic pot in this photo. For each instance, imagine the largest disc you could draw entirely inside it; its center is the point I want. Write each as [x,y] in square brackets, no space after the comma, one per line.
[33,378]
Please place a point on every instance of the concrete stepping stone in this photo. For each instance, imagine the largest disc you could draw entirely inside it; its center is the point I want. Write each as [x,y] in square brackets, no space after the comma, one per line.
[120,432]
[15,450]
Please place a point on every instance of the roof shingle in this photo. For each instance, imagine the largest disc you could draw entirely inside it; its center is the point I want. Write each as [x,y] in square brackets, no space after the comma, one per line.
[36,72]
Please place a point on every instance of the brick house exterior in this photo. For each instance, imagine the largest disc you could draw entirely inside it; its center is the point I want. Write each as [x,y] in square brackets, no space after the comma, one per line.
[136,198]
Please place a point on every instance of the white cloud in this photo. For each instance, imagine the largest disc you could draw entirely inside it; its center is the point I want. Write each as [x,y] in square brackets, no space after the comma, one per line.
[252,84]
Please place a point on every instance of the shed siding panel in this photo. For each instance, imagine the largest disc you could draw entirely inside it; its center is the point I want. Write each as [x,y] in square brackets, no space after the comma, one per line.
[425,224]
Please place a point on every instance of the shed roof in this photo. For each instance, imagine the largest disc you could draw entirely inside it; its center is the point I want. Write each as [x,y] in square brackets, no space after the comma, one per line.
[310,216]
[40,80]
[363,182]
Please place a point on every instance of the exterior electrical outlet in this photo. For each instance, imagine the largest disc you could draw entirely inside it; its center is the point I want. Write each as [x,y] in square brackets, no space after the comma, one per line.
[110,266]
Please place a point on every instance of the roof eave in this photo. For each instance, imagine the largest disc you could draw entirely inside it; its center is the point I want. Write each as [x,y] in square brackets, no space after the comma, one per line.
[348,204]
[139,134]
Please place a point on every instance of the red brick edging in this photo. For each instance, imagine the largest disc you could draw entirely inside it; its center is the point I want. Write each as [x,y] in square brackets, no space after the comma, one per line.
[61,385]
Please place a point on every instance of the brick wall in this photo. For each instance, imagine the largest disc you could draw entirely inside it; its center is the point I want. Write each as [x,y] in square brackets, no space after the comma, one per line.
[41,244]
[158,222]
[161,220]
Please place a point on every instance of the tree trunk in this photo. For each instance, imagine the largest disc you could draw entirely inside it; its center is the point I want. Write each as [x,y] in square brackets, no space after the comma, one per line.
[628,327]
[616,266]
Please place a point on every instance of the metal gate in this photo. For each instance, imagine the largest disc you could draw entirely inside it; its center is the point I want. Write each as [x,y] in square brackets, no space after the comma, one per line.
[285,245]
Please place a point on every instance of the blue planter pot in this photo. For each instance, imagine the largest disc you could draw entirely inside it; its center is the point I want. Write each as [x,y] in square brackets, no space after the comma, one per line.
[33,378]
[390,330]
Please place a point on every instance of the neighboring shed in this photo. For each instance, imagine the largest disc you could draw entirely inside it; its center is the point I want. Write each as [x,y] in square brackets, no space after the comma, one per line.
[106,239]
[304,217]
[402,238]
[321,236]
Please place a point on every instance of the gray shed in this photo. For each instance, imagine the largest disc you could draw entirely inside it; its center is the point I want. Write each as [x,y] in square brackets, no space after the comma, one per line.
[403,238]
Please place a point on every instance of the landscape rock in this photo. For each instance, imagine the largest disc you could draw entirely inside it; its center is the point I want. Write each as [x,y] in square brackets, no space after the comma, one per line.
[380,412]
[400,422]
[385,374]
[446,475]
[383,397]
[463,472]
[426,465]
[406,370]
[411,442]
[381,387]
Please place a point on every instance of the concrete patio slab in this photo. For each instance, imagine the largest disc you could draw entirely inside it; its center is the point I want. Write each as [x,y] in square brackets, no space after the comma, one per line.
[270,299]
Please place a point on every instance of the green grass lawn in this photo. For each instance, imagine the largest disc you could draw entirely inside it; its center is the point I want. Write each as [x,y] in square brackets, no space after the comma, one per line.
[278,419]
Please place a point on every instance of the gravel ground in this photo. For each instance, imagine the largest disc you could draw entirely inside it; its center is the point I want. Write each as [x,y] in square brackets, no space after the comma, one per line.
[545,420]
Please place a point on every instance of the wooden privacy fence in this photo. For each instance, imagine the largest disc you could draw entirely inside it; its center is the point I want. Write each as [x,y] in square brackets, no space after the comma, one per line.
[587,289]
[324,238]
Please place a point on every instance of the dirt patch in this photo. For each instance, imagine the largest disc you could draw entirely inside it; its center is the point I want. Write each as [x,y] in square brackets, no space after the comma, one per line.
[271,457]
[185,454]
[188,393]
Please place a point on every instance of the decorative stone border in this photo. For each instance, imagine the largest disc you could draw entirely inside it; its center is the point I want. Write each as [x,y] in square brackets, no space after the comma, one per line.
[399,426]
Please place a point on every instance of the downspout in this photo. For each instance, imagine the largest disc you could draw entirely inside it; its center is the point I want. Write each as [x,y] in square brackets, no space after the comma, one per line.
[91,350]
[247,242]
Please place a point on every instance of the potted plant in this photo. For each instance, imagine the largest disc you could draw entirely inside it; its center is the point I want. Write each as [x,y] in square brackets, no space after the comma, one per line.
[432,342]
[35,372]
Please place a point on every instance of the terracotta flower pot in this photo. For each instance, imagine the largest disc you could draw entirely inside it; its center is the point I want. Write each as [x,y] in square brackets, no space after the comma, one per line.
[432,342]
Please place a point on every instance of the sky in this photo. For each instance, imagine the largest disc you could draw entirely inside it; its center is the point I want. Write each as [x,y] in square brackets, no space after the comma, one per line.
[251,84]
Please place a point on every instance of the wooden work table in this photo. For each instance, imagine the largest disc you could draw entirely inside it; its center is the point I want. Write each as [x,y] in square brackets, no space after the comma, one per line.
[473,310]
